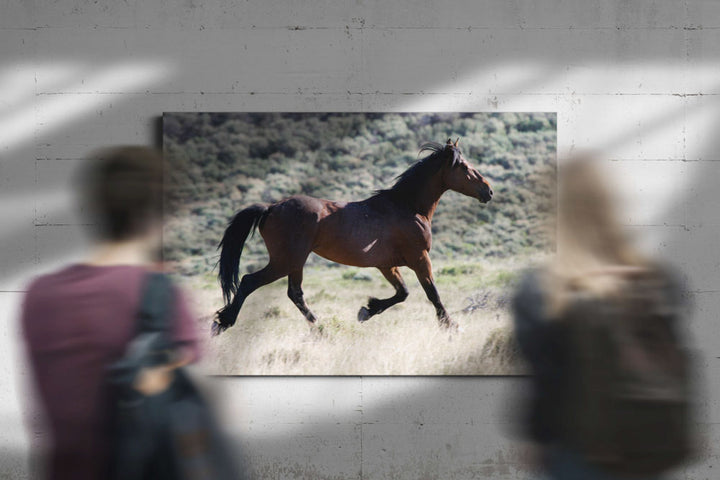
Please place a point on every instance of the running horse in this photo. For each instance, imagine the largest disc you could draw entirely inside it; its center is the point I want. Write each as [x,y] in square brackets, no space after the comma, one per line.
[390,229]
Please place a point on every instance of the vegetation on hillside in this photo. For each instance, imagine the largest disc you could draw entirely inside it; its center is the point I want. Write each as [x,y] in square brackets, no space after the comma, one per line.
[221,163]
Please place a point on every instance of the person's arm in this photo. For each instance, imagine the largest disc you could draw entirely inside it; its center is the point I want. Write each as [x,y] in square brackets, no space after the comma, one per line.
[184,330]
[154,380]
[528,305]
[538,339]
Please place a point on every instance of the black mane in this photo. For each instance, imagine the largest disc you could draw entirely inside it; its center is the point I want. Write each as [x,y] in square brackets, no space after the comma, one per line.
[408,182]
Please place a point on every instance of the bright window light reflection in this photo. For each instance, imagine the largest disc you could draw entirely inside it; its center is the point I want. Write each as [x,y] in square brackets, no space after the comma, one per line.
[634,131]
[20,84]
[14,208]
[645,118]
[54,109]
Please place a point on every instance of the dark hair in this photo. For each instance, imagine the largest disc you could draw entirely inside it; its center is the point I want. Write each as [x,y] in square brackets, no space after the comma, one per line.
[122,189]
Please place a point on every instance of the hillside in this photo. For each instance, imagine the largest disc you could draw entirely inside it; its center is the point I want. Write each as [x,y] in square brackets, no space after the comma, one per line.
[223,162]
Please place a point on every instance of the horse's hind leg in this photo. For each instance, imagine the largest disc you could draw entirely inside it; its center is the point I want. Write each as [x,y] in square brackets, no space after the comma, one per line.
[227,316]
[295,294]
[376,305]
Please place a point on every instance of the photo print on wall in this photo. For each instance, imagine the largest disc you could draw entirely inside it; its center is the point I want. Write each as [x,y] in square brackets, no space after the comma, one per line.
[357,243]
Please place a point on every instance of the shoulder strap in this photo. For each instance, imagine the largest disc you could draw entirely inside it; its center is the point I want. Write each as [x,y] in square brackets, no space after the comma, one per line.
[155,304]
[151,344]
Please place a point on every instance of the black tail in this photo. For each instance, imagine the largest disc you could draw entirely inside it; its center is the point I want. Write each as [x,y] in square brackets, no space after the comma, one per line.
[232,243]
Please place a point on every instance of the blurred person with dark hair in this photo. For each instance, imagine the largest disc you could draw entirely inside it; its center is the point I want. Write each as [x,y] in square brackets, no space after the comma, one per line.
[79,320]
[598,327]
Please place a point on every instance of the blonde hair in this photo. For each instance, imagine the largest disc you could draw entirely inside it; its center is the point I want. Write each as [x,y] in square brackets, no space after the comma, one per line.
[593,251]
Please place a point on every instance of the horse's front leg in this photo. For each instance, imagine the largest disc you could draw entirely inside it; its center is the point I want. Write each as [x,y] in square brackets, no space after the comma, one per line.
[377,305]
[423,270]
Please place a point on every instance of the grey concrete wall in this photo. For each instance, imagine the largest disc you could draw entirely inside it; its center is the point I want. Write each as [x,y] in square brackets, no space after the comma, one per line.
[638,81]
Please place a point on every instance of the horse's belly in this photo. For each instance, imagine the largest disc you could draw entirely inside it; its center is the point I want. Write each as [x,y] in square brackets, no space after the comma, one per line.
[363,254]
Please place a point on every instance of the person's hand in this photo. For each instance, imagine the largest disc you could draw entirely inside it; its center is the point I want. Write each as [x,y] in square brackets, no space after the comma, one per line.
[154,380]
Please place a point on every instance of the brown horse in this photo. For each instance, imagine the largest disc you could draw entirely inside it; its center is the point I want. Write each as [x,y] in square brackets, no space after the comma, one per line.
[386,231]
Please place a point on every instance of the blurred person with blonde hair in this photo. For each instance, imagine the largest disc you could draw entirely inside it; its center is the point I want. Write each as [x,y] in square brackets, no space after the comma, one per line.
[79,320]
[597,325]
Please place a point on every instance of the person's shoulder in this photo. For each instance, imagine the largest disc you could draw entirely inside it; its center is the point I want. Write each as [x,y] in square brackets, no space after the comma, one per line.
[672,281]
[42,294]
[529,298]
[668,272]
[530,284]
[657,274]
[81,275]
[42,282]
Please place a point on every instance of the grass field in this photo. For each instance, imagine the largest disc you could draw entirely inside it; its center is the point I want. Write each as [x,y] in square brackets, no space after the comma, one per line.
[223,162]
[271,337]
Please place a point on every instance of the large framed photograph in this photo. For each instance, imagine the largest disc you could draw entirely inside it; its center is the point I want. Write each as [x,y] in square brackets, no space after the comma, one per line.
[357,243]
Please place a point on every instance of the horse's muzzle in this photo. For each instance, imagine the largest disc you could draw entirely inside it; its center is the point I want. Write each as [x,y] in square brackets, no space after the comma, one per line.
[485,195]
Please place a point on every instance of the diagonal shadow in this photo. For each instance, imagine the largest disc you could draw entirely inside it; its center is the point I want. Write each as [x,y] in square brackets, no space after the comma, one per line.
[692,247]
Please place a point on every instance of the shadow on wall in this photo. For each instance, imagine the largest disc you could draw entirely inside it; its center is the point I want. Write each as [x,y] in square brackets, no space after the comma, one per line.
[388,438]
[451,446]
[43,100]
[526,72]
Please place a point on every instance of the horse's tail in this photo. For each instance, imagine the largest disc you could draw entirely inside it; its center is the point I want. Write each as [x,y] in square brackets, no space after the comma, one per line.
[231,246]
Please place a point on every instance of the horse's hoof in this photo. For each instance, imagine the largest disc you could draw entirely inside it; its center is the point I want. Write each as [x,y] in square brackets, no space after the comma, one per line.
[216,329]
[363,314]
[450,325]
[455,331]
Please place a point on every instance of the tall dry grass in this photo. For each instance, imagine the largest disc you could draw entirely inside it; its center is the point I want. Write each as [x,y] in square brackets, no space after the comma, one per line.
[271,337]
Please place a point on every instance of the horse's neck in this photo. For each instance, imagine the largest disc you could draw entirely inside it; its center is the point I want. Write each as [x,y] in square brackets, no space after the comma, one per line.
[428,196]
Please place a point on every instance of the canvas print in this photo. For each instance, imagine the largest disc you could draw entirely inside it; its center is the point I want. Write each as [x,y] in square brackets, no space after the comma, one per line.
[357,243]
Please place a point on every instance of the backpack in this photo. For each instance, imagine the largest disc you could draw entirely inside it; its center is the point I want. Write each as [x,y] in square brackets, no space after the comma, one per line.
[627,399]
[171,435]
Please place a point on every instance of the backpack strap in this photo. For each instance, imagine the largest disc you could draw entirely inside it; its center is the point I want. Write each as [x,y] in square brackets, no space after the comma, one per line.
[152,344]
[155,304]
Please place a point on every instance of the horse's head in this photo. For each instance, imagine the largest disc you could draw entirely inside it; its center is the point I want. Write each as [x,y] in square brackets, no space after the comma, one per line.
[462,177]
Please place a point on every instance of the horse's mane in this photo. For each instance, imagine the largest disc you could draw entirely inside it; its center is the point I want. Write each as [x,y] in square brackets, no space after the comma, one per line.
[406,183]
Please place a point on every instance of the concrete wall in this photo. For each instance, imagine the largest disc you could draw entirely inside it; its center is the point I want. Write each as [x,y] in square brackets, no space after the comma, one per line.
[638,81]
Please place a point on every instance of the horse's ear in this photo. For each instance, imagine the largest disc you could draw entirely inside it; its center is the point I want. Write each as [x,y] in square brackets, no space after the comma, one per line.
[456,141]
[449,142]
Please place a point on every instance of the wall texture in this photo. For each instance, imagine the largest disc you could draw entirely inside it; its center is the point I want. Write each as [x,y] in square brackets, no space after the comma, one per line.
[638,81]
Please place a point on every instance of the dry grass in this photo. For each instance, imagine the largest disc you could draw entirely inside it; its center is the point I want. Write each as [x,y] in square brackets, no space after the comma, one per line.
[272,338]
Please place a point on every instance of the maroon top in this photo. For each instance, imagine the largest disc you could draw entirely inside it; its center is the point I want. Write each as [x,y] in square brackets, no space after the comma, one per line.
[76,322]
